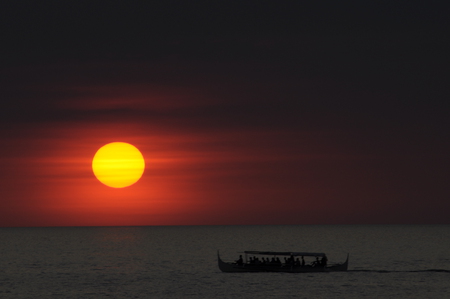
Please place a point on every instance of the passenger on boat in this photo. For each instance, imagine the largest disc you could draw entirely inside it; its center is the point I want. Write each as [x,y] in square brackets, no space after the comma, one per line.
[256,260]
[240,261]
[303,261]
[316,262]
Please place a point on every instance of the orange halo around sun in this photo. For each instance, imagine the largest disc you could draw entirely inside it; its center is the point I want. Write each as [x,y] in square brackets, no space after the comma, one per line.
[118,164]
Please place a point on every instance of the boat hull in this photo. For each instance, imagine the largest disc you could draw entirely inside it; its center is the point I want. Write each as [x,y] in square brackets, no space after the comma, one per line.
[233,267]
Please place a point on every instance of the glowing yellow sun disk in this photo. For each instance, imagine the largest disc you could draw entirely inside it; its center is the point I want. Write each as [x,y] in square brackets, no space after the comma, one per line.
[118,164]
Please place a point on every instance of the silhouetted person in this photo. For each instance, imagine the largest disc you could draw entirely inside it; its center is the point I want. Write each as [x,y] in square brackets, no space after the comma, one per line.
[240,261]
[316,262]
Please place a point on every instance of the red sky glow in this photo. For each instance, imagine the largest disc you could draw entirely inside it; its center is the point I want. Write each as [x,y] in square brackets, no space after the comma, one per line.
[248,124]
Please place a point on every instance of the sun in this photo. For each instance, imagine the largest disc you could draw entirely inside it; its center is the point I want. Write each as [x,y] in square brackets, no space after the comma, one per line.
[118,164]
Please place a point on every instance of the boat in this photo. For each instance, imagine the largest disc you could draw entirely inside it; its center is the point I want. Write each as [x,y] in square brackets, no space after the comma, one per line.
[293,262]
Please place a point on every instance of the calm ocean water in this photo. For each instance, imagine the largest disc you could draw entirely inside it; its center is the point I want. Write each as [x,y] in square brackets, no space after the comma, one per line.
[173,262]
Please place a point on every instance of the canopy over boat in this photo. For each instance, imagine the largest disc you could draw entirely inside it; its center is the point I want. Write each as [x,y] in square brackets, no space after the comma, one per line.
[287,253]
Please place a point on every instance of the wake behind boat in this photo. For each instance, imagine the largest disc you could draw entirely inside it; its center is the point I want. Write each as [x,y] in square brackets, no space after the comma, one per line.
[291,262]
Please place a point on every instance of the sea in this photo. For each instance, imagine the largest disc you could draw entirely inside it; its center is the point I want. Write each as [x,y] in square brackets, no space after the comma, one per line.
[385,261]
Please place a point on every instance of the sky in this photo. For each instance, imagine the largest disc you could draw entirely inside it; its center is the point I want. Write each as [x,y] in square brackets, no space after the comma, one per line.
[246,112]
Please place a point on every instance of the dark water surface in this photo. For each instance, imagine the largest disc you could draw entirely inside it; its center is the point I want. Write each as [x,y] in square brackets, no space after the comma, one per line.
[180,261]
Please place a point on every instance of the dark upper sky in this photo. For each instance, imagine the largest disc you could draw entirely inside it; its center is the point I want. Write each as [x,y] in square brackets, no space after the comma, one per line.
[221,30]
[394,48]
[361,79]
